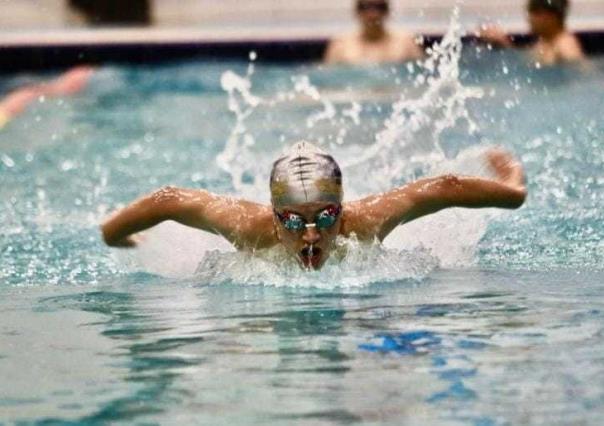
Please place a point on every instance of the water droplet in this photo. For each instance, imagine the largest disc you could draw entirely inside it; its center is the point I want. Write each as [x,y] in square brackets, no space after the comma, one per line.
[8,162]
[67,165]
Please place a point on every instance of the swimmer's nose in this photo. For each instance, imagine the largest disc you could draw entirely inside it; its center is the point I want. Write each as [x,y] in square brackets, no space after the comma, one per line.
[311,235]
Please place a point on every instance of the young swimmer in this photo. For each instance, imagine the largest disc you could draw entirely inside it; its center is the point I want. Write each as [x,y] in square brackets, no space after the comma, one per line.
[547,19]
[307,213]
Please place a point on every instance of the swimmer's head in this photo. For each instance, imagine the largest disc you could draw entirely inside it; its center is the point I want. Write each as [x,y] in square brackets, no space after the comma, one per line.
[306,193]
[559,8]
[380,6]
[372,13]
[305,174]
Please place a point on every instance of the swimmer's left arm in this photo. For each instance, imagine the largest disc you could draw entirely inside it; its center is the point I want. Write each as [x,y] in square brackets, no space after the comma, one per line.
[378,215]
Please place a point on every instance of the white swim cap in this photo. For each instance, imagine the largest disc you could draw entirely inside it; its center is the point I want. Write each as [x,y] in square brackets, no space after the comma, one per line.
[305,174]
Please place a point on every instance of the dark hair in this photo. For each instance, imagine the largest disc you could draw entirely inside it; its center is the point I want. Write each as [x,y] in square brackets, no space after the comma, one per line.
[383,4]
[99,12]
[558,7]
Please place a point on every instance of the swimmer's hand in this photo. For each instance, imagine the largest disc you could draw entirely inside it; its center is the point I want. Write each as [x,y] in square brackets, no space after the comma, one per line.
[507,169]
[494,35]
[131,241]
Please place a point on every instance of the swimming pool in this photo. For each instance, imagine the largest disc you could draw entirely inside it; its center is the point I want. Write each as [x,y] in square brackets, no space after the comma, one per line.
[482,318]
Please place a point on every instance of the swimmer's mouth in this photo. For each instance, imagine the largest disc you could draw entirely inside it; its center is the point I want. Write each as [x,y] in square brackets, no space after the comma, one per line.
[311,258]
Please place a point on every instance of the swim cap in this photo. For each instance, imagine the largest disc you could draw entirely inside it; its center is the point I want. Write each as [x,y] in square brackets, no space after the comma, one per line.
[559,7]
[305,174]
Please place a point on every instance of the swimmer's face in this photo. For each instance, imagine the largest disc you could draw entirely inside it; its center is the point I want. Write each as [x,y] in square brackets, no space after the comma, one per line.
[543,21]
[372,12]
[310,245]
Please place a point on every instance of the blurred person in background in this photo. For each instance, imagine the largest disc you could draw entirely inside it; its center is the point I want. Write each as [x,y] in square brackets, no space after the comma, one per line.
[547,19]
[90,12]
[374,43]
[110,12]
[67,84]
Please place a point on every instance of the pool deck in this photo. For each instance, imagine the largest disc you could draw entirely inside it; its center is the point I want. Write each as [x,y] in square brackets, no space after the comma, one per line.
[298,32]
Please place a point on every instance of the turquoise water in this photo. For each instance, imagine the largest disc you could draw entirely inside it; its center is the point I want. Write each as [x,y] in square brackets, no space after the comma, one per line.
[481,318]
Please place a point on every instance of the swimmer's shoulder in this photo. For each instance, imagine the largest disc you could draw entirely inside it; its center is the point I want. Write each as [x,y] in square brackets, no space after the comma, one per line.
[568,47]
[342,48]
[408,42]
[402,36]
[356,221]
[347,39]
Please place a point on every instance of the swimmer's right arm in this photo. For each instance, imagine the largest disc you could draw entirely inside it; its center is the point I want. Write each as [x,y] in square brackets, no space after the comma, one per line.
[245,224]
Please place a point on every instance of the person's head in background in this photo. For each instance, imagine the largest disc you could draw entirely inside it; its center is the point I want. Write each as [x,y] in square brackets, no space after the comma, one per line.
[110,12]
[547,18]
[372,14]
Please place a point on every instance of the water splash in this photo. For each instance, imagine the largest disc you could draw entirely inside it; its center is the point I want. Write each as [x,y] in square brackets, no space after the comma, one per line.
[302,85]
[352,265]
[237,153]
[412,133]
[408,146]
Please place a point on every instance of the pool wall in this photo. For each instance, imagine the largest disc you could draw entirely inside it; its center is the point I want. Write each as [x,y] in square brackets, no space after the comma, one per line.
[44,55]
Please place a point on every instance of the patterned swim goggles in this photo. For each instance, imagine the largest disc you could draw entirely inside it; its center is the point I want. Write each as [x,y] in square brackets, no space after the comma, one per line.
[323,220]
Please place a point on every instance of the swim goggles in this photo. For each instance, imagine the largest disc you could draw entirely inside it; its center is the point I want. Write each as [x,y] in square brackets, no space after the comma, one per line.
[323,220]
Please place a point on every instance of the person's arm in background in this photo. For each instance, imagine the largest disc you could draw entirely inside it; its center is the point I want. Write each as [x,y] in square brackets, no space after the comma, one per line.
[495,36]
[68,83]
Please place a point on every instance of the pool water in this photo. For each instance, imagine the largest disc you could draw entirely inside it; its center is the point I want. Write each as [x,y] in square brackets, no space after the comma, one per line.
[467,317]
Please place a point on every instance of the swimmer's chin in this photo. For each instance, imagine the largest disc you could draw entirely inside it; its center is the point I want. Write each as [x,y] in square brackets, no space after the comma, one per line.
[311,261]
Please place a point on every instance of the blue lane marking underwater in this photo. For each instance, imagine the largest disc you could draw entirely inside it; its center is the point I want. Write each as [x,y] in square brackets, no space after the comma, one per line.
[409,343]
[449,360]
